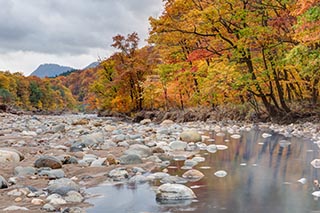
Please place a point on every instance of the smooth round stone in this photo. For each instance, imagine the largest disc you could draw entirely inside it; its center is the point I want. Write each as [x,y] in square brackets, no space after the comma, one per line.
[62,186]
[190,136]
[37,201]
[15,208]
[220,173]
[52,174]
[9,157]
[220,134]
[139,149]
[178,145]
[56,199]
[199,159]
[201,146]
[98,163]
[173,179]
[130,159]
[170,191]
[315,163]
[118,174]
[159,175]
[193,174]
[139,179]
[166,122]
[212,148]
[21,156]
[235,136]
[221,147]
[74,197]
[48,161]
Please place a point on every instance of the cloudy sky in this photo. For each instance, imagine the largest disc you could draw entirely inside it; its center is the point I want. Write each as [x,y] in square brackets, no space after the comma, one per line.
[67,32]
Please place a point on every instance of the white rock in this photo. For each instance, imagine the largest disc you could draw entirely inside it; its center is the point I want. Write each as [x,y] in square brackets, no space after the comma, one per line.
[316,193]
[212,148]
[220,173]
[266,135]
[302,180]
[236,136]
[221,147]
[16,208]
[315,163]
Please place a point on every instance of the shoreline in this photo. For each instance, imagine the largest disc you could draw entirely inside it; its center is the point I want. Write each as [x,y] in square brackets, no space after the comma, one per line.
[22,133]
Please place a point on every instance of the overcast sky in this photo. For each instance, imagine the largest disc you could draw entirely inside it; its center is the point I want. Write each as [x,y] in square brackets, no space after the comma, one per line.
[67,32]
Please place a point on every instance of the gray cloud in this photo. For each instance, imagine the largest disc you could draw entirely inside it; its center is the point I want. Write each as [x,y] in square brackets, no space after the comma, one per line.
[71,27]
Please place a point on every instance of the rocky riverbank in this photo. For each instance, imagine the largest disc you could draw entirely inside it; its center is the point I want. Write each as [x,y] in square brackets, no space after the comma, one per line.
[48,162]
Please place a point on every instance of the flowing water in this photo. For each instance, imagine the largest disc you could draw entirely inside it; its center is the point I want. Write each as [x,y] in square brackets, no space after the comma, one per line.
[262,176]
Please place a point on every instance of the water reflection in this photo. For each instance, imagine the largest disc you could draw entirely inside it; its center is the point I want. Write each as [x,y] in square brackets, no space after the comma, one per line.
[262,176]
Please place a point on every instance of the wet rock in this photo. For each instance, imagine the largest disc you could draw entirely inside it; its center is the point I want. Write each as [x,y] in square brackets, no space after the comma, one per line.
[139,179]
[118,174]
[212,148]
[284,143]
[158,176]
[315,163]
[221,147]
[173,179]
[190,136]
[170,191]
[266,135]
[220,173]
[3,183]
[22,171]
[178,145]
[193,174]
[48,161]
[190,163]
[130,159]
[62,186]
[15,208]
[198,159]
[74,197]
[236,136]
[7,156]
[138,149]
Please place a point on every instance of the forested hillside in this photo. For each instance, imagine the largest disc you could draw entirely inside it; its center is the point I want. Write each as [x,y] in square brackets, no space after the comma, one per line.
[260,55]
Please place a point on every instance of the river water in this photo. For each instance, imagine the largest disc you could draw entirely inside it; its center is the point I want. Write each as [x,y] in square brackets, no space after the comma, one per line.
[262,176]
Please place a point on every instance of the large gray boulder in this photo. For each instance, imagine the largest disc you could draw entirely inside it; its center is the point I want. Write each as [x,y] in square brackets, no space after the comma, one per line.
[170,191]
[62,186]
[139,149]
[130,159]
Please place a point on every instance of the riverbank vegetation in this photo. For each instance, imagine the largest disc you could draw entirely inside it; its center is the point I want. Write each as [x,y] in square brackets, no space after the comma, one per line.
[260,56]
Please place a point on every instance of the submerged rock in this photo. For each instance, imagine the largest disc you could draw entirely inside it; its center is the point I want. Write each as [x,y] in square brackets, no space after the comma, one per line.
[170,191]
[193,174]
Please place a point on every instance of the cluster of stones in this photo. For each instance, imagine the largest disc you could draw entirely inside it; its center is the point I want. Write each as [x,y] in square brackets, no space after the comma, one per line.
[78,140]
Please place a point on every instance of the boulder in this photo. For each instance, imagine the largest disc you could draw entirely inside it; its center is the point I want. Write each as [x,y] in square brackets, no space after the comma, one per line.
[139,149]
[118,174]
[190,136]
[130,159]
[62,186]
[178,145]
[170,191]
[48,161]
[7,156]
[193,174]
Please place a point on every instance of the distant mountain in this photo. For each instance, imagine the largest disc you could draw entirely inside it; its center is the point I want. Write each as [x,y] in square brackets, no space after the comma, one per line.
[50,70]
[53,70]
[92,65]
